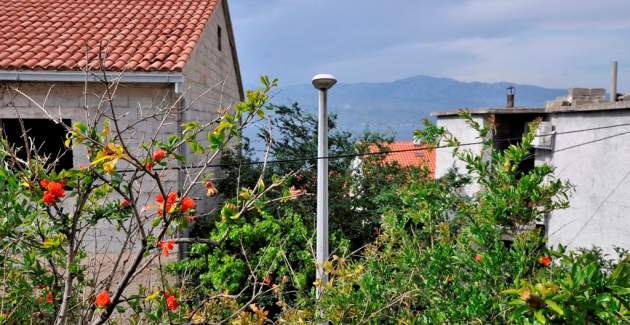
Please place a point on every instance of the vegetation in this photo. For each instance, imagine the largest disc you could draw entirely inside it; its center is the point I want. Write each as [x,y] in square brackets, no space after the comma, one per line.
[406,248]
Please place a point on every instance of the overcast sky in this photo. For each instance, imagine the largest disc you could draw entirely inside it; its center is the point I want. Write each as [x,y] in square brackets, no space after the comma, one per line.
[553,43]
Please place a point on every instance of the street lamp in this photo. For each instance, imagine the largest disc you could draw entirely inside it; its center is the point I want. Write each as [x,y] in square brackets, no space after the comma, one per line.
[322,82]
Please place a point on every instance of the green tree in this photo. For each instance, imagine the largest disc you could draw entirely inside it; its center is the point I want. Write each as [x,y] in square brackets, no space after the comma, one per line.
[444,257]
[277,238]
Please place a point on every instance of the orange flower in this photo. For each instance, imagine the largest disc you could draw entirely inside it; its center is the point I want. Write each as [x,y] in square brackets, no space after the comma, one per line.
[187,204]
[171,301]
[48,198]
[212,190]
[170,200]
[43,183]
[56,189]
[166,247]
[158,155]
[545,261]
[478,258]
[102,299]
[49,297]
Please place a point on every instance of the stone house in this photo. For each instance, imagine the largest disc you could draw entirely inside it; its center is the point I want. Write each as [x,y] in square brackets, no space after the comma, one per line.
[158,51]
[586,139]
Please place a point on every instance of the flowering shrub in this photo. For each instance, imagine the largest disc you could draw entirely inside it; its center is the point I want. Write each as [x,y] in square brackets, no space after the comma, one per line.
[406,248]
[51,274]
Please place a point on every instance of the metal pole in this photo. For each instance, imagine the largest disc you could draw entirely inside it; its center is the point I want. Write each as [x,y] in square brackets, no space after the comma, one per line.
[322,191]
[613,88]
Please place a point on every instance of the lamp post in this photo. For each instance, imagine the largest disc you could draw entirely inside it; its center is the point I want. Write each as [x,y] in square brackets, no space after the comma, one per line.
[322,82]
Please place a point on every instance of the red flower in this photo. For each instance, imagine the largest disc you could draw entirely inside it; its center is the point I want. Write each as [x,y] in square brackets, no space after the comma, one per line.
[102,299]
[43,183]
[478,258]
[148,165]
[166,247]
[171,302]
[545,261]
[187,204]
[49,297]
[170,200]
[158,155]
[56,189]
[48,198]
[124,203]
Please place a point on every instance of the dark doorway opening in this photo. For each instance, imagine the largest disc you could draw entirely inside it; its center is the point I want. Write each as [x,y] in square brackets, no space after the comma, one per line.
[509,130]
[47,136]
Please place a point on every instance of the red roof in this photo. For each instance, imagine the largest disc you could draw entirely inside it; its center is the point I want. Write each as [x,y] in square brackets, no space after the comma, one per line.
[135,35]
[406,154]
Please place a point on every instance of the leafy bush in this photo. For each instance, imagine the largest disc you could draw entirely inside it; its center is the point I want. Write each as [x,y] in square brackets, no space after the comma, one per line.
[443,257]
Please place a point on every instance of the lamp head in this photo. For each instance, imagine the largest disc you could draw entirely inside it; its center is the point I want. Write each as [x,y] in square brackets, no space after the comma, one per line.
[324,81]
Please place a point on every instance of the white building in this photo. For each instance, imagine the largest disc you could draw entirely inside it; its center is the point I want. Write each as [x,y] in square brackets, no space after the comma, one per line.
[589,146]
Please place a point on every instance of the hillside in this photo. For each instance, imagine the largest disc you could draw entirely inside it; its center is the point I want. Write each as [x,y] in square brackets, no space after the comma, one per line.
[397,107]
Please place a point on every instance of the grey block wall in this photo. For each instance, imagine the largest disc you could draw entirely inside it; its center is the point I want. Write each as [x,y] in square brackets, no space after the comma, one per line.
[132,102]
[211,84]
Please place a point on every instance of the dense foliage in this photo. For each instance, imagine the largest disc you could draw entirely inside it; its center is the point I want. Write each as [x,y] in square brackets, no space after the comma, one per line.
[446,257]
[406,248]
[277,238]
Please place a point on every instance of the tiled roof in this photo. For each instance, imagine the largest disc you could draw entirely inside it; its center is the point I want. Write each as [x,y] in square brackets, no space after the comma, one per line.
[409,154]
[132,35]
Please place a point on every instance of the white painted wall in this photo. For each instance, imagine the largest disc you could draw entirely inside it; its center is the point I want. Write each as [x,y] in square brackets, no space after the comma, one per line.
[600,172]
[465,134]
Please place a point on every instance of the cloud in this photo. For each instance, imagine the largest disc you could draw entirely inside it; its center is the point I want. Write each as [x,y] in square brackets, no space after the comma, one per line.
[556,43]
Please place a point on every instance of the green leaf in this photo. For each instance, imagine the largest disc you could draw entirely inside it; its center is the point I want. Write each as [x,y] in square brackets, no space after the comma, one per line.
[540,316]
[156,221]
[554,306]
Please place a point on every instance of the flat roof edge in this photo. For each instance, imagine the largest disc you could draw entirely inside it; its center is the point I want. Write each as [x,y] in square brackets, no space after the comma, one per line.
[584,108]
[485,111]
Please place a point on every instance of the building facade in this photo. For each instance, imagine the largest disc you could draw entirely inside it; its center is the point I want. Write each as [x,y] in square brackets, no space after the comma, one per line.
[587,141]
[162,56]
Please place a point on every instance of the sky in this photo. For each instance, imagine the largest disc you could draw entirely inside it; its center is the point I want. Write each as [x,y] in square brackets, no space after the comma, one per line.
[551,43]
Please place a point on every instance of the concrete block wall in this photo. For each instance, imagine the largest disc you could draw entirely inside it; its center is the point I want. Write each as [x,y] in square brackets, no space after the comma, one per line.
[211,83]
[578,97]
[132,102]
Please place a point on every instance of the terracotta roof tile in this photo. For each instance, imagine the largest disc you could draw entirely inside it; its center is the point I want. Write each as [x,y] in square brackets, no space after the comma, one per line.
[409,154]
[137,35]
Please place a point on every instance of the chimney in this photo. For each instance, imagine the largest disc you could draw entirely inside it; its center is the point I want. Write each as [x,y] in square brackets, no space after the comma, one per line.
[509,91]
[613,88]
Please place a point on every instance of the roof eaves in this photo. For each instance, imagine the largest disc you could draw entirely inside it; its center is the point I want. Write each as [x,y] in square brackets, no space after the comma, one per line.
[92,76]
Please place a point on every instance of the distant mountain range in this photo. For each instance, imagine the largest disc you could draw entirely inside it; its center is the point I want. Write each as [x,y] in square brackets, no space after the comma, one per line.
[398,107]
